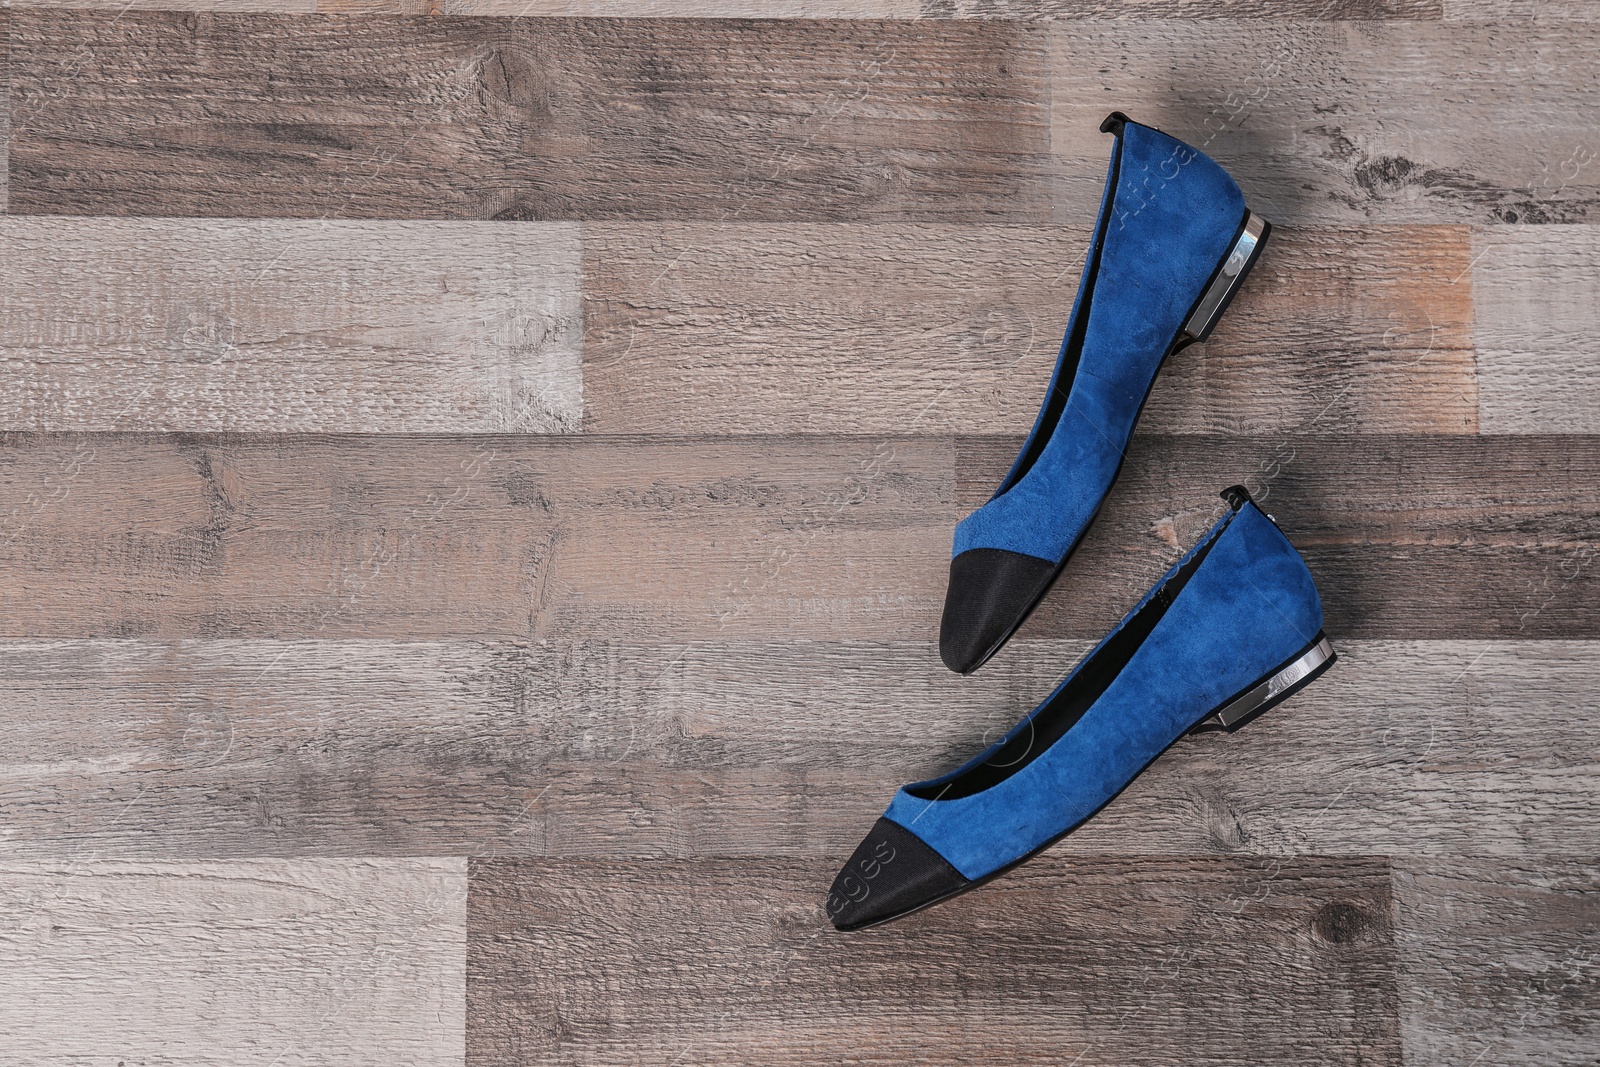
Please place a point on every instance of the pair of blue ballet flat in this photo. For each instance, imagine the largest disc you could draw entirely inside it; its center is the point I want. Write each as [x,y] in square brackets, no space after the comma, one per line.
[1231,630]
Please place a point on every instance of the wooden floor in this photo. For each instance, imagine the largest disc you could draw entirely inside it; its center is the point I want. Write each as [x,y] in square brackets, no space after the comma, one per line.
[477,496]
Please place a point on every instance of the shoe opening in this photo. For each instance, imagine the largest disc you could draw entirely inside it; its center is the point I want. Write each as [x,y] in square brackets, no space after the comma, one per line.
[1052,719]
[1072,348]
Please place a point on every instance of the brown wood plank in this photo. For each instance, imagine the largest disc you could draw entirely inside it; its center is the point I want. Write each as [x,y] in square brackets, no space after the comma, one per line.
[418,537]
[826,9]
[1095,961]
[1277,10]
[755,9]
[1498,961]
[794,9]
[1393,121]
[1448,536]
[1538,328]
[265,961]
[575,748]
[281,7]
[259,115]
[1417,536]
[701,328]
[174,324]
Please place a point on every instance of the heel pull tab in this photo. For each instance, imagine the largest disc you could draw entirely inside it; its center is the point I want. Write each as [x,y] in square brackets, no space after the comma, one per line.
[1114,123]
[1237,496]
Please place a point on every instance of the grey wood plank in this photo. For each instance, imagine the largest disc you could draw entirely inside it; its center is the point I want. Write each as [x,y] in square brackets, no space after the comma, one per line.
[288,962]
[1537,328]
[1531,10]
[5,109]
[1415,536]
[805,328]
[576,748]
[360,327]
[1097,962]
[460,118]
[1391,121]
[1498,961]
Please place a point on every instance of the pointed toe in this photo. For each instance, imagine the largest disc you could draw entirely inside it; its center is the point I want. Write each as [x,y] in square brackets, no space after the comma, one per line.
[891,873]
[991,592]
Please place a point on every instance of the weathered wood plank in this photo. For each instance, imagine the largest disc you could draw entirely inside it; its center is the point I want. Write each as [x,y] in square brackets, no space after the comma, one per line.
[5,108]
[700,328]
[281,7]
[1350,120]
[725,748]
[1096,962]
[826,9]
[791,9]
[419,537]
[1448,536]
[245,115]
[1418,536]
[1498,961]
[1538,328]
[754,9]
[1527,10]
[290,326]
[814,9]
[1277,10]
[287,962]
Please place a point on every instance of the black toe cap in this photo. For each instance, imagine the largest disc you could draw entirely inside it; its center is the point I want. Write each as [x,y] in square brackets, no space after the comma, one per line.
[892,872]
[991,592]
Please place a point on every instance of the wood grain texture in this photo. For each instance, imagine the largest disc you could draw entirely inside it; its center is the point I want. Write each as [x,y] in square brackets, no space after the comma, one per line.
[574,748]
[1521,10]
[755,9]
[1499,961]
[1392,121]
[1276,10]
[1415,536]
[1538,328]
[1446,536]
[790,9]
[734,963]
[420,537]
[5,108]
[255,962]
[246,115]
[700,328]
[822,9]
[280,7]
[290,326]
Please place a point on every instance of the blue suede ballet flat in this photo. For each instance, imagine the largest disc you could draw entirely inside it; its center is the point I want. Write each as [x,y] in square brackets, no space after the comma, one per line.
[1230,631]
[1172,246]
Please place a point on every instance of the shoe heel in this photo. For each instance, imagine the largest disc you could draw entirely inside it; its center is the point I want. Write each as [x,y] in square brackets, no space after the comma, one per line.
[1229,276]
[1274,689]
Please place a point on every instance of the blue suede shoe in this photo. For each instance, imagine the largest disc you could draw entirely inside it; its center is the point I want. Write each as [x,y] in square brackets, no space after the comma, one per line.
[1172,246]
[1231,630]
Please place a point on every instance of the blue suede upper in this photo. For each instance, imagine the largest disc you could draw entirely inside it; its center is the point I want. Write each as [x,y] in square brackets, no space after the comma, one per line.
[1173,216]
[1249,606]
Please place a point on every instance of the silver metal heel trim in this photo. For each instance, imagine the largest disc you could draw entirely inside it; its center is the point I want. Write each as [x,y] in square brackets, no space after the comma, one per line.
[1241,707]
[1205,313]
